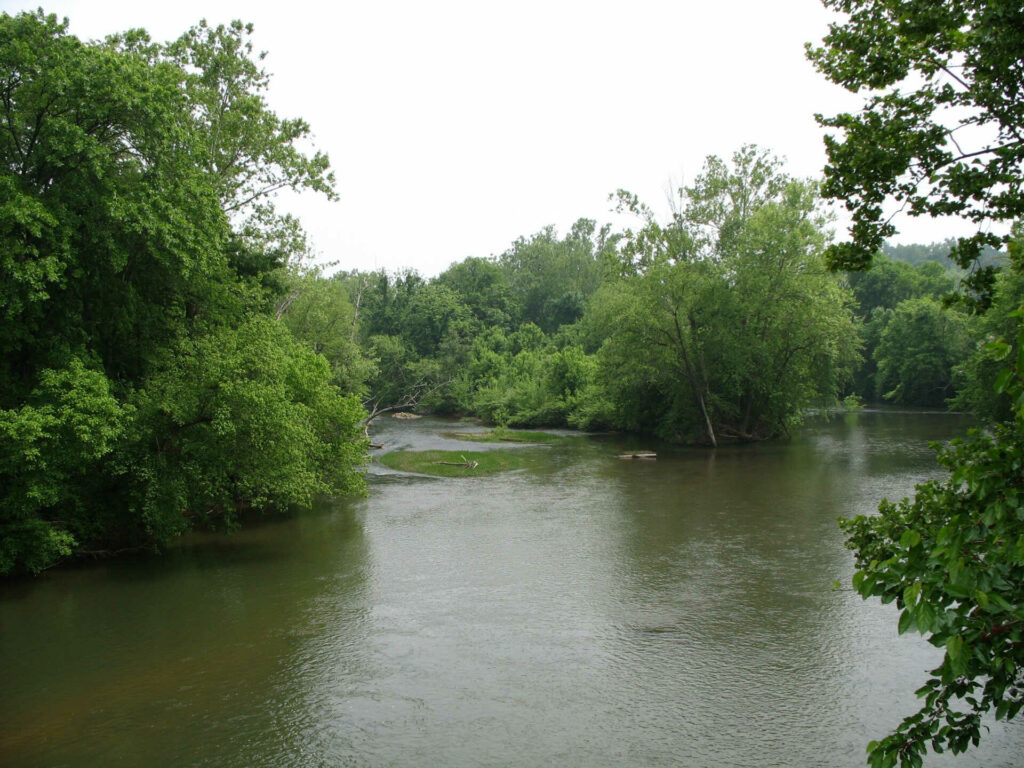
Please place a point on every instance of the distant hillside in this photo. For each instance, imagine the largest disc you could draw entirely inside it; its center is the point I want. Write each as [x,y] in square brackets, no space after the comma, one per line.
[918,253]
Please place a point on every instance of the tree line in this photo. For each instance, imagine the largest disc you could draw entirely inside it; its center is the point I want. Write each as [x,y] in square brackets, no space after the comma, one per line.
[170,361]
[166,360]
[721,323]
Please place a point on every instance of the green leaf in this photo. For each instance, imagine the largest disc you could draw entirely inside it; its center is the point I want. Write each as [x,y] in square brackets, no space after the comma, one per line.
[925,618]
[910,538]
[956,651]
[1004,379]
[999,350]
[907,621]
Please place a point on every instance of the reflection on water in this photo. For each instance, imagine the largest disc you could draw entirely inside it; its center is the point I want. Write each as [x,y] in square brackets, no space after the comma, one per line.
[590,612]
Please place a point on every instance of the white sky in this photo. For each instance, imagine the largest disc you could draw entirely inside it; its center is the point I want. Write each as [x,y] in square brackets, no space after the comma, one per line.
[456,127]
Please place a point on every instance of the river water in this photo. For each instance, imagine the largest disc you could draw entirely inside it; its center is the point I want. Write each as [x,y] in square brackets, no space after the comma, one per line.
[586,612]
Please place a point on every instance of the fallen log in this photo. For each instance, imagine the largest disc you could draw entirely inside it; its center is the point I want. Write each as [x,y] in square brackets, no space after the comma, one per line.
[463,463]
[639,455]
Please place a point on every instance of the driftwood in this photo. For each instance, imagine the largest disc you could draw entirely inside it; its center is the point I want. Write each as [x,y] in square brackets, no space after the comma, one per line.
[639,455]
[405,415]
[410,399]
[463,463]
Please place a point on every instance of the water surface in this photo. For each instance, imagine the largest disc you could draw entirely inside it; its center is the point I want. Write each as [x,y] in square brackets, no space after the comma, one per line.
[591,611]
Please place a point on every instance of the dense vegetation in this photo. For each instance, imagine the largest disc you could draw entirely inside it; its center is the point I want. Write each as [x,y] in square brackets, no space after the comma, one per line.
[940,134]
[722,323]
[145,384]
[168,361]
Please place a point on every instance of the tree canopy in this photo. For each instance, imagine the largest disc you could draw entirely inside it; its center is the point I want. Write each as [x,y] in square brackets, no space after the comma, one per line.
[941,134]
[940,130]
[725,321]
[145,384]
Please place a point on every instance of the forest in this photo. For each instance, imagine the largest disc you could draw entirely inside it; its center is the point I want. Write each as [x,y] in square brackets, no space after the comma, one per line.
[171,358]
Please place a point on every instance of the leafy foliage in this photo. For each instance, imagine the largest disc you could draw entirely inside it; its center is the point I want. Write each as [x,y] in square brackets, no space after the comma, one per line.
[724,323]
[49,447]
[919,350]
[917,254]
[1001,321]
[319,314]
[144,385]
[551,279]
[242,418]
[890,282]
[952,558]
[484,287]
[939,133]
[942,136]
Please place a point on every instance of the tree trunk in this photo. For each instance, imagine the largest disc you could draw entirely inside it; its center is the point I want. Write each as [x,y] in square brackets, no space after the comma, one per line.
[695,385]
[707,420]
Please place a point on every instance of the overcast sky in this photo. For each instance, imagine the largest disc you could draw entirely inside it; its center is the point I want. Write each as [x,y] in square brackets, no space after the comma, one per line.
[456,127]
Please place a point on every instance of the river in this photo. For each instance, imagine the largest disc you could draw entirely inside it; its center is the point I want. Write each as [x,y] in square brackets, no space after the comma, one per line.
[586,612]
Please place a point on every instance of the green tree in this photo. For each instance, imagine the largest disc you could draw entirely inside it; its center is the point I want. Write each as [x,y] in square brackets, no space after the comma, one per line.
[524,378]
[384,301]
[434,316]
[865,378]
[952,559]
[137,236]
[653,363]
[319,314]
[985,366]
[918,253]
[889,282]
[940,131]
[415,333]
[50,447]
[724,322]
[878,291]
[241,418]
[941,134]
[551,278]
[484,288]
[919,350]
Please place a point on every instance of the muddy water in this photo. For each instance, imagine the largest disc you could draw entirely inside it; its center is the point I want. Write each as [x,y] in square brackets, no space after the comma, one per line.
[588,611]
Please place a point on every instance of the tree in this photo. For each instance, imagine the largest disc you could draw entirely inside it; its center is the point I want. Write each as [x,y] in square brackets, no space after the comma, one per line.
[483,286]
[918,254]
[889,282]
[878,292]
[414,333]
[944,139]
[985,365]
[653,362]
[137,238]
[50,447]
[317,311]
[241,418]
[551,279]
[523,379]
[724,322]
[952,559]
[941,131]
[918,353]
